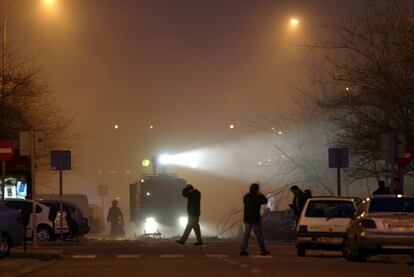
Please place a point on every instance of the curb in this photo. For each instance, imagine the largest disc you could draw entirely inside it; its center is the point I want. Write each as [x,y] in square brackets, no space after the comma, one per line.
[43,255]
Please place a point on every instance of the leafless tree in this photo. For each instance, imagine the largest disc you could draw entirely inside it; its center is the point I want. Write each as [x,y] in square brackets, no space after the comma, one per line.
[366,86]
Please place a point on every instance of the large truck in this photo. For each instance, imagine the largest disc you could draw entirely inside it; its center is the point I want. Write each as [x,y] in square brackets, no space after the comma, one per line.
[157,207]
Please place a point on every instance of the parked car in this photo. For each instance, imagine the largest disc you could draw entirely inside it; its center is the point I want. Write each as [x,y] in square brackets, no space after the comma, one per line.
[383,224]
[47,219]
[323,223]
[81,203]
[11,230]
[80,225]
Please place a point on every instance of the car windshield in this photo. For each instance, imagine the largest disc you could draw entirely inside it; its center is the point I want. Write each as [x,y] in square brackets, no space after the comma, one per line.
[394,205]
[330,208]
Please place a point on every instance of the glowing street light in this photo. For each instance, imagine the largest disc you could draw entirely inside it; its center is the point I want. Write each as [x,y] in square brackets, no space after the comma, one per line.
[49,2]
[4,50]
[294,22]
[146,163]
[231,126]
[116,126]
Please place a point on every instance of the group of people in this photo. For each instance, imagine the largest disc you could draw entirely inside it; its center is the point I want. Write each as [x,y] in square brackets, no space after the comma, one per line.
[394,187]
[252,202]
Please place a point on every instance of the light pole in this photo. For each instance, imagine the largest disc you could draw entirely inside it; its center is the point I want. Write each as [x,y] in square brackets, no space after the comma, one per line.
[32,136]
[4,53]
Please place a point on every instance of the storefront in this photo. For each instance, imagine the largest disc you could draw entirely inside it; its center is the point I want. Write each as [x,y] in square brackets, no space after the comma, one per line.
[18,178]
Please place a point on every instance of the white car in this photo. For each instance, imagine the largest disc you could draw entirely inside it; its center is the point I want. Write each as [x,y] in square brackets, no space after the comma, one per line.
[383,224]
[47,219]
[323,223]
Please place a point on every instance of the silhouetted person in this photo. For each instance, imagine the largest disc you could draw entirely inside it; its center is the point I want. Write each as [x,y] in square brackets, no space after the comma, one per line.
[193,211]
[116,219]
[298,202]
[382,189]
[308,193]
[252,219]
[395,186]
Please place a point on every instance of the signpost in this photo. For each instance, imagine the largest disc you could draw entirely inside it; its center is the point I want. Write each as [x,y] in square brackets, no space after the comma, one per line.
[60,160]
[6,153]
[338,158]
[102,192]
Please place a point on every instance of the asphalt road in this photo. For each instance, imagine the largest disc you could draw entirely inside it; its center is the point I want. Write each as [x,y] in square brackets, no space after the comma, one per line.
[165,258]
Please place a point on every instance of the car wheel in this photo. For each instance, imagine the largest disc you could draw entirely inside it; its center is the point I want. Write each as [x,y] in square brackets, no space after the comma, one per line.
[301,250]
[4,247]
[43,234]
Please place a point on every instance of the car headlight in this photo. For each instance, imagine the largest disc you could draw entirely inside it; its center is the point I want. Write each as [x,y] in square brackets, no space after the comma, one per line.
[183,221]
[150,226]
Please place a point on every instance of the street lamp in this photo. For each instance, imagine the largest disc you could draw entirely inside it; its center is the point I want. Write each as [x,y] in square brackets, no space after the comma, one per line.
[294,22]
[4,52]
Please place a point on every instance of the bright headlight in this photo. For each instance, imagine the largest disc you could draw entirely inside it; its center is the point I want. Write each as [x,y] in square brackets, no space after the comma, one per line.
[151,226]
[183,221]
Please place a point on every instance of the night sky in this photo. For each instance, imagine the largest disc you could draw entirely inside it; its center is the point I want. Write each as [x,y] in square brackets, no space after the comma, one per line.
[188,67]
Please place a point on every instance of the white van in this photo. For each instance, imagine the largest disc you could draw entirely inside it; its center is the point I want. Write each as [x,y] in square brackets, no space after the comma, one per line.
[80,200]
[323,223]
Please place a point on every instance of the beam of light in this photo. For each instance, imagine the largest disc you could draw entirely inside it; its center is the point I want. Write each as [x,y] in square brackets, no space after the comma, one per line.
[183,221]
[187,159]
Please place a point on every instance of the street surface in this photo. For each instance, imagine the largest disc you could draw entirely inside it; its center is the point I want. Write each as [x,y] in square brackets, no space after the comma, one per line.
[166,258]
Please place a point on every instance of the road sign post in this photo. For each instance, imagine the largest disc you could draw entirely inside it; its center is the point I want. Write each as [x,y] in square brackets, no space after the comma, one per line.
[338,158]
[60,160]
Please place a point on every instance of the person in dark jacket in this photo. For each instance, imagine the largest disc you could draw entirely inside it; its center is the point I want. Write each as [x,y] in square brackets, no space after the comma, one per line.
[298,202]
[116,218]
[382,189]
[252,219]
[193,211]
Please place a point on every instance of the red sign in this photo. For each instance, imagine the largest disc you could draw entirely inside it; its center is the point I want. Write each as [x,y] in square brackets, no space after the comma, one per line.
[6,150]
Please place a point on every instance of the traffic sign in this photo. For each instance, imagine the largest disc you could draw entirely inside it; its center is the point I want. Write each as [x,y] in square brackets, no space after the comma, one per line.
[6,150]
[338,157]
[60,160]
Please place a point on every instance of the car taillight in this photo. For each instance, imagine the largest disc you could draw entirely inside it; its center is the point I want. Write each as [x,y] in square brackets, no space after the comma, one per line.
[303,228]
[368,224]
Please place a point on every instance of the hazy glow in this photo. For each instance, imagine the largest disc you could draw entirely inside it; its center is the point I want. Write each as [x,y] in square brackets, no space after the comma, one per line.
[231,126]
[187,159]
[151,225]
[49,2]
[183,221]
[294,22]
[146,163]
[116,126]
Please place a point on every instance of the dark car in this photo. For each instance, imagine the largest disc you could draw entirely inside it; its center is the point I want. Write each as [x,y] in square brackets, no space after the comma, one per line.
[12,232]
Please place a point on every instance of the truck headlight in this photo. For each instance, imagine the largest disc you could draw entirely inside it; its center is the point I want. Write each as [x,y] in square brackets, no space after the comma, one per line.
[183,221]
[151,225]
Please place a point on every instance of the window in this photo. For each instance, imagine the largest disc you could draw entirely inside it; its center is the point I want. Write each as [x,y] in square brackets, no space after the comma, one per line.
[330,208]
[394,205]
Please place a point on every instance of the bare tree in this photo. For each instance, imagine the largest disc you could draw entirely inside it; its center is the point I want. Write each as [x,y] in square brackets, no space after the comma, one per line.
[366,87]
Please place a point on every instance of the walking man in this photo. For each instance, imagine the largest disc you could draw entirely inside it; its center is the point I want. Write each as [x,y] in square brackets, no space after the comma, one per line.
[252,219]
[193,212]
